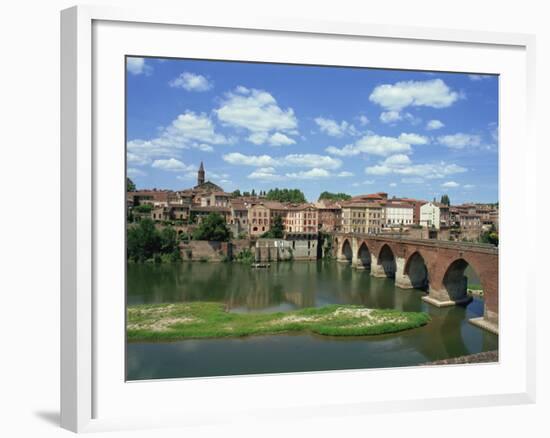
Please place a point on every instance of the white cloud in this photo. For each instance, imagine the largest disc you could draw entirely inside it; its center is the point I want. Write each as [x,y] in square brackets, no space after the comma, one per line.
[363,120]
[135,172]
[310,160]
[459,140]
[393,184]
[411,138]
[249,160]
[335,129]
[469,186]
[344,174]
[479,77]
[402,165]
[292,160]
[397,160]
[172,165]
[188,130]
[379,145]
[279,139]
[265,174]
[314,173]
[432,125]
[379,169]
[450,184]
[257,111]
[390,116]
[191,82]
[138,66]
[363,183]
[432,93]
[493,131]
[270,174]
[187,176]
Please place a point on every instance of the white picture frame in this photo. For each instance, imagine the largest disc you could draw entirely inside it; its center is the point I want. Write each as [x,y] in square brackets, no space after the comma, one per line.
[90,401]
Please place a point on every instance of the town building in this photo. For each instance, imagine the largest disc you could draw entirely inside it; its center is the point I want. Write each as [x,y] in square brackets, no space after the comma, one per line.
[239,215]
[398,214]
[366,217]
[302,219]
[430,215]
[329,216]
[261,215]
[215,199]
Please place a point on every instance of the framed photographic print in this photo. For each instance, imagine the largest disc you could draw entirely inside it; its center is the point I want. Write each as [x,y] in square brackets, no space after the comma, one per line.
[331,217]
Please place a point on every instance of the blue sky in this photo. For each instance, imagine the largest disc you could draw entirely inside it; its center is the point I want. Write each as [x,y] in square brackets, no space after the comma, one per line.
[353,130]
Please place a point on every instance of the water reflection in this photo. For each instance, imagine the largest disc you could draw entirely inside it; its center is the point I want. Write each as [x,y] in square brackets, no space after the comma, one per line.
[287,286]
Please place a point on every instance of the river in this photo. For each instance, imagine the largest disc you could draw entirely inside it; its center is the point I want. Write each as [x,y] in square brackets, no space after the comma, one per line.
[288,286]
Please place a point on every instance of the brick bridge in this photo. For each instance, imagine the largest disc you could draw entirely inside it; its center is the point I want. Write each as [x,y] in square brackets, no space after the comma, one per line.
[434,265]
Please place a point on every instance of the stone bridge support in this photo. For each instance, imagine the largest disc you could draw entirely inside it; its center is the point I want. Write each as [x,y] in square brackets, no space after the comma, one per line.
[354,254]
[402,280]
[376,269]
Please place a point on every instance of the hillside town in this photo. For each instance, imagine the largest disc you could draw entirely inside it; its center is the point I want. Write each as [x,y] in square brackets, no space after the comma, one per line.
[251,215]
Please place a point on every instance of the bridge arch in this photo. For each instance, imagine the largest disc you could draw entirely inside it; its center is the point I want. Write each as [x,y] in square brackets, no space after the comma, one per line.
[417,271]
[364,258]
[386,259]
[455,281]
[347,252]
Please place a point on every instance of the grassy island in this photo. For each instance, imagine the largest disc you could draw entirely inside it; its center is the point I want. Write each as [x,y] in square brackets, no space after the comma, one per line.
[158,322]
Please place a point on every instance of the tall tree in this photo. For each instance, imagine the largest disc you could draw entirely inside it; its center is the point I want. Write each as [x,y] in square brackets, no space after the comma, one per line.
[236,193]
[130,186]
[143,241]
[277,229]
[286,195]
[334,196]
[445,200]
[212,228]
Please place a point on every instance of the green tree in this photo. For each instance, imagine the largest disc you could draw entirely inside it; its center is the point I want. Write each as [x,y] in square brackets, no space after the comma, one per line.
[236,193]
[277,229]
[445,200]
[253,193]
[334,196]
[144,208]
[130,186]
[490,236]
[286,195]
[143,241]
[168,240]
[212,228]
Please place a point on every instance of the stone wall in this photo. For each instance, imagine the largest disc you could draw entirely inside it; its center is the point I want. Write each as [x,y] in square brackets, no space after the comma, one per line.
[202,250]
[272,250]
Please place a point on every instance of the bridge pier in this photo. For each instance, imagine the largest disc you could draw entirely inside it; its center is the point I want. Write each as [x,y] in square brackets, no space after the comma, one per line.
[376,270]
[441,298]
[402,280]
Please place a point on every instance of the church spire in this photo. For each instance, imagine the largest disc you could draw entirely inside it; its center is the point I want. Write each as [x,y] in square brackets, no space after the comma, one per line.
[200,175]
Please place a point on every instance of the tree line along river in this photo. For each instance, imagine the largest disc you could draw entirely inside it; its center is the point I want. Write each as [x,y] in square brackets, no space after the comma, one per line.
[284,287]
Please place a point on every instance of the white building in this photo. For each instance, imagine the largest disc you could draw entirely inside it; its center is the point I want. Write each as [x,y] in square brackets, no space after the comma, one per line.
[430,215]
[399,214]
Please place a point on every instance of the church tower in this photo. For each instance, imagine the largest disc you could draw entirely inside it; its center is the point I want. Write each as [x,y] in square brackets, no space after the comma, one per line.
[200,175]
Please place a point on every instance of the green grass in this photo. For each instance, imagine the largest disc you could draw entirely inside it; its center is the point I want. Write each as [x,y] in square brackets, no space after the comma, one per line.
[157,322]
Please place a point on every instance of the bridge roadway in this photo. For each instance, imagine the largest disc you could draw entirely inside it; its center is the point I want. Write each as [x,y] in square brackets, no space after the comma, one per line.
[434,265]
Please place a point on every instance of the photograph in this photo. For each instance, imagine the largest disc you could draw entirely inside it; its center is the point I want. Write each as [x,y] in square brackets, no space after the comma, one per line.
[285,218]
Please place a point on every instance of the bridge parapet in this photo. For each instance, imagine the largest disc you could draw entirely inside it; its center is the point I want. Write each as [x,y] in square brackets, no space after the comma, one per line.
[465,246]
